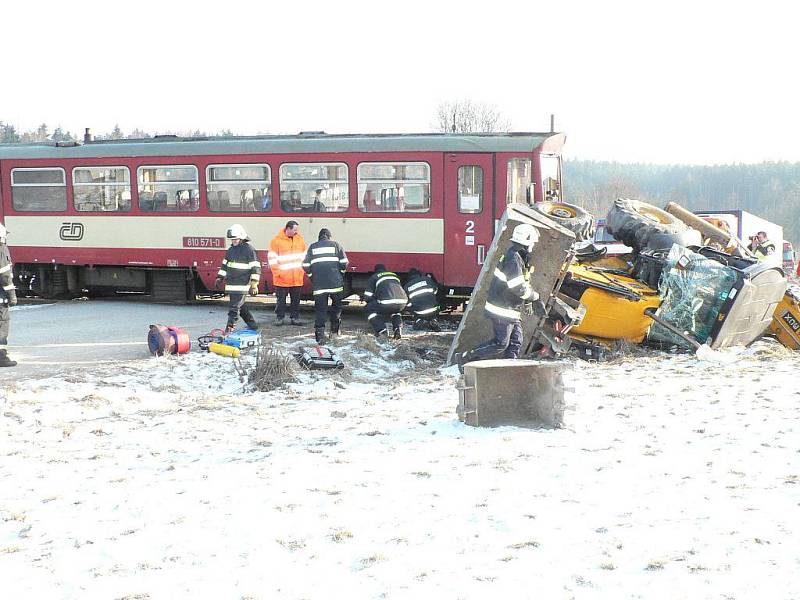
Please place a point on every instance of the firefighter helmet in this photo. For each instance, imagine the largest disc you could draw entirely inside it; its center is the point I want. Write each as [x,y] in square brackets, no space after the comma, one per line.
[525,235]
[237,232]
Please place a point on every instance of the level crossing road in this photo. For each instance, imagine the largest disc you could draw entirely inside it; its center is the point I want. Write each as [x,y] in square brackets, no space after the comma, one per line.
[56,338]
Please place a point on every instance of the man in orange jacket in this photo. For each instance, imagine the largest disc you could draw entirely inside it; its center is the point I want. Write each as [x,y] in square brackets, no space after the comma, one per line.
[286,253]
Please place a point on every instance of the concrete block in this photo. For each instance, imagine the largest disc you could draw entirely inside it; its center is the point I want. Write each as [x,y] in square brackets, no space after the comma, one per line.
[523,393]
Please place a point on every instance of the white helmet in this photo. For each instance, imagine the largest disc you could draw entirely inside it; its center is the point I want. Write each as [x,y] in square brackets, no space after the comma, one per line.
[526,235]
[237,232]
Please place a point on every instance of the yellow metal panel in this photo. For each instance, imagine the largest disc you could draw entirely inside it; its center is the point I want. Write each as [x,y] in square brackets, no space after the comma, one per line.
[786,322]
[613,317]
[609,315]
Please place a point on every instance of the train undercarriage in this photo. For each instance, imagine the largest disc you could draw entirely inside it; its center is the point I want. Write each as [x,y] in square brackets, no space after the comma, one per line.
[63,281]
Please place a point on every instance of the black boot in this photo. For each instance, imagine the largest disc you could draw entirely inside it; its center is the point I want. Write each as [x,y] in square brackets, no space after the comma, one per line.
[397,326]
[5,361]
[335,324]
[434,325]
[319,334]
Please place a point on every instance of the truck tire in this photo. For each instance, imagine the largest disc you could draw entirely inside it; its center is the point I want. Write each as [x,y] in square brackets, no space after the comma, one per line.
[664,241]
[635,223]
[569,216]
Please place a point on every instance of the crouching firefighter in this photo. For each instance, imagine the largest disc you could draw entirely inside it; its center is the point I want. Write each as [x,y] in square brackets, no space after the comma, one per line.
[326,263]
[509,290]
[8,298]
[241,271]
[385,298]
[422,300]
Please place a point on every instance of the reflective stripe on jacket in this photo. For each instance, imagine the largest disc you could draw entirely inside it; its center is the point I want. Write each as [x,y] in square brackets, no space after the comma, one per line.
[285,259]
[7,290]
[764,249]
[510,287]
[325,263]
[385,288]
[240,267]
[421,292]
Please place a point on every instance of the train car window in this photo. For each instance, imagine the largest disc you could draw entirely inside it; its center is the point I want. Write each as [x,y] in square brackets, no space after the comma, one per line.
[168,188]
[39,190]
[239,188]
[314,187]
[551,177]
[101,189]
[519,189]
[394,187]
[470,189]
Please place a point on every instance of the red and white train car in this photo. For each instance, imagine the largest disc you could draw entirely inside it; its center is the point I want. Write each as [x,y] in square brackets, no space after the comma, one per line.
[150,215]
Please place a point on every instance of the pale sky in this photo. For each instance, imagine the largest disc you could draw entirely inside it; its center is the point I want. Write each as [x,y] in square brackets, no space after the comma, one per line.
[701,82]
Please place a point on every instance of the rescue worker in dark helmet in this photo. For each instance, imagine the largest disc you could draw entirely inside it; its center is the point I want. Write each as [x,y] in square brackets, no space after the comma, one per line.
[423,300]
[509,290]
[8,297]
[241,271]
[385,298]
[325,263]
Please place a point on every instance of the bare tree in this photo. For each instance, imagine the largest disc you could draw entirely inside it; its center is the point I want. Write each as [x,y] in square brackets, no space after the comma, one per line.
[466,116]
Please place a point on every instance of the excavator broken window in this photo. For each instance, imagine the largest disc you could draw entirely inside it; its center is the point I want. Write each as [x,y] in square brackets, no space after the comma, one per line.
[693,288]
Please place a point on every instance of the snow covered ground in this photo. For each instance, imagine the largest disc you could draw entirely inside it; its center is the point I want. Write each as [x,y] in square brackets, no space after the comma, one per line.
[164,478]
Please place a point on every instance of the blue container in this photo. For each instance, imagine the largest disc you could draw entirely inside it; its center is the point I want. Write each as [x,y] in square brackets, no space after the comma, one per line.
[243,338]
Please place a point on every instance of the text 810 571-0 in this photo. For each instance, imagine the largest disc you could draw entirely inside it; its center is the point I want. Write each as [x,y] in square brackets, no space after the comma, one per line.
[203,242]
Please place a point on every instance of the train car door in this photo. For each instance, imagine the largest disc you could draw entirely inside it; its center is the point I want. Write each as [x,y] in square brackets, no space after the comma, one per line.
[468,221]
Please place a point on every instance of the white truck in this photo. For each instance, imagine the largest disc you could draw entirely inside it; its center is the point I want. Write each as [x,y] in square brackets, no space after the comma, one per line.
[745,225]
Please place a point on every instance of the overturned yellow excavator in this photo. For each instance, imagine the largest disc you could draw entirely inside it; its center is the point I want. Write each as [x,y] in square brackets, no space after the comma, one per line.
[671,290]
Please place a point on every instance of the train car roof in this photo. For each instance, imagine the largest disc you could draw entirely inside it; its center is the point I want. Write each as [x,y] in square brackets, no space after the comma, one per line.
[289,144]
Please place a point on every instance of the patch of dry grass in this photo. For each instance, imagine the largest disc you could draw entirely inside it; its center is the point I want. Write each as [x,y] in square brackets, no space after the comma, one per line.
[368,342]
[273,369]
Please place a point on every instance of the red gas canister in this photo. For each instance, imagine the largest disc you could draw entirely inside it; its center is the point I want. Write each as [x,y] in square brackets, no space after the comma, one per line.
[163,340]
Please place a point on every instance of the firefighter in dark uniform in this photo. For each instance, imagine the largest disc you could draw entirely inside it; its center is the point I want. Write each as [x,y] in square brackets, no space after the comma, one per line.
[423,300]
[385,298]
[241,271]
[325,263]
[509,290]
[8,297]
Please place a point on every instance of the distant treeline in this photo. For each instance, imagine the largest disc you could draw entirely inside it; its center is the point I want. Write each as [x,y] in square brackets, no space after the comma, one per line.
[10,135]
[770,190]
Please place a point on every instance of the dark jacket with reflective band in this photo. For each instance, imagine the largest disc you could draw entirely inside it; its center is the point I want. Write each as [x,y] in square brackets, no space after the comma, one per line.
[239,267]
[7,291]
[385,288]
[421,291]
[325,263]
[510,287]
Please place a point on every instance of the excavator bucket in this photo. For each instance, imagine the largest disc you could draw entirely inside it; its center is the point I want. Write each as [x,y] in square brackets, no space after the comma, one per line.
[521,393]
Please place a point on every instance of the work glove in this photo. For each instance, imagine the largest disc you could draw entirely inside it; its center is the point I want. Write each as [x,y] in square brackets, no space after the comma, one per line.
[218,283]
[539,308]
[254,289]
[12,298]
